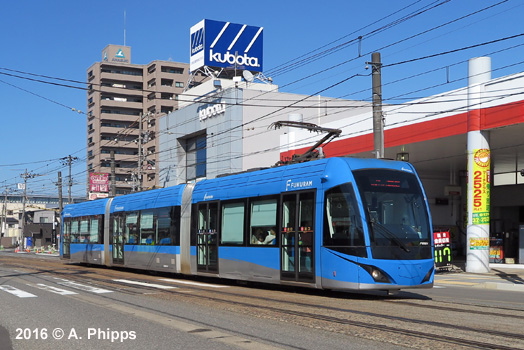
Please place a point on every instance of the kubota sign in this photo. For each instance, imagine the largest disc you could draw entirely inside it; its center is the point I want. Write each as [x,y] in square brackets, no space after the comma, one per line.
[226,45]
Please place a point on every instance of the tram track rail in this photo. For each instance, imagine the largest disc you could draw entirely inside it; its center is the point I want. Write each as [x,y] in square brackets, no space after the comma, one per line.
[440,331]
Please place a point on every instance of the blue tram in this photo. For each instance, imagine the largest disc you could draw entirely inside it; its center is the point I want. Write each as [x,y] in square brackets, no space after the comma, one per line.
[336,223]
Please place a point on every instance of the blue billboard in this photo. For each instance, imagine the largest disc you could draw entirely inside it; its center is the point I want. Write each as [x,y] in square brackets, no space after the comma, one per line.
[226,45]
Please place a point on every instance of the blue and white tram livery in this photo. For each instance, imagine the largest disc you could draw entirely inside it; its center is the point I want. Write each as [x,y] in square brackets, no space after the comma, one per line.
[336,223]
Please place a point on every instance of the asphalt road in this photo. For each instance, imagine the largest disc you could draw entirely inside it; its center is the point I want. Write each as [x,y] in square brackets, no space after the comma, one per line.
[48,307]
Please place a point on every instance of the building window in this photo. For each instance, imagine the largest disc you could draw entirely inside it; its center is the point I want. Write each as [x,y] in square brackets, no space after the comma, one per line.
[179,84]
[172,70]
[166,82]
[196,157]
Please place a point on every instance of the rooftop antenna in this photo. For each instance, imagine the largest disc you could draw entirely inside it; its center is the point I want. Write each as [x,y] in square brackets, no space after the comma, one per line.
[124,27]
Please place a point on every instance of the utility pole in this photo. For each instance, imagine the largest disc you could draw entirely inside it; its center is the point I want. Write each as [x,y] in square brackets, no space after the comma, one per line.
[139,170]
[140,151]
[60,199]
[25,176]
[4,215]
[378,120]
[113,175]
[60,208]
[68,161]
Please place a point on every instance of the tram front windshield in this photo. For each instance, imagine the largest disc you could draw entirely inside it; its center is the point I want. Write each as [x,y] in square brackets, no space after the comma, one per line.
[396,214]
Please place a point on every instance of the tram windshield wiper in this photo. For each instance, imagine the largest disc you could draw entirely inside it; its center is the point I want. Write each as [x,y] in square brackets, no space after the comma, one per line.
[388,234]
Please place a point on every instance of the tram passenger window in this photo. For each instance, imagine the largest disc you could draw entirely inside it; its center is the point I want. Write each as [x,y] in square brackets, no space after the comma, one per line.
[147,227]
[67,230]
[167,227]
[342,222]
[263,222]
[75,233]
[232,223]
[93,230]
[131,228]
[84,230]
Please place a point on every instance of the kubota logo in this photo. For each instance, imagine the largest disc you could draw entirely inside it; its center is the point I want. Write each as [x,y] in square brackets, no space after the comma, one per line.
[197,41]
[232,59]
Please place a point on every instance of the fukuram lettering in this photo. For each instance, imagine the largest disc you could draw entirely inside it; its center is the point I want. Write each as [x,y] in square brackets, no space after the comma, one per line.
[290,185]
[230,58]
[211,111]
[206,196]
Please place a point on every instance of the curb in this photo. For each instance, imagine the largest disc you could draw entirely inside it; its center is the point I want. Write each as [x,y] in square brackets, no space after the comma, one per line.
[509,287]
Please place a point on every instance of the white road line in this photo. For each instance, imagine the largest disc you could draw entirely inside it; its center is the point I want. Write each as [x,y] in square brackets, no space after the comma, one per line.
[19,293]
[146,284]
[52,289]
[83,287]
[192,283]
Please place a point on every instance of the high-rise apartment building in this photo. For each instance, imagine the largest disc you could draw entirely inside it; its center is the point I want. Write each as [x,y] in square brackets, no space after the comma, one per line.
[124,101]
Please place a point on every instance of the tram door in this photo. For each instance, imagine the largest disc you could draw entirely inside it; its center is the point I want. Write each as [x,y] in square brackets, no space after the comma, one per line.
[117,239]
[297,237]
[207,237]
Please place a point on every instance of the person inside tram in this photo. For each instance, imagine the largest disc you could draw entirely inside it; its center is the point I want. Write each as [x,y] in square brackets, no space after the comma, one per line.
[270,237]
[265,237]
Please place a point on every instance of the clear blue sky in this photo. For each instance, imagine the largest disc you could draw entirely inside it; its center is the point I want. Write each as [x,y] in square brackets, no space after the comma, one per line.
[63,38]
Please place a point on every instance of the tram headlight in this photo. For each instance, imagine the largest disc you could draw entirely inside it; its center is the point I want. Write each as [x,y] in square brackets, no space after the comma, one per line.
[377,274]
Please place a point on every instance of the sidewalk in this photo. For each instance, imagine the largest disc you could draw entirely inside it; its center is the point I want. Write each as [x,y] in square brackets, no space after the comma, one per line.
[508,277]
[31,252]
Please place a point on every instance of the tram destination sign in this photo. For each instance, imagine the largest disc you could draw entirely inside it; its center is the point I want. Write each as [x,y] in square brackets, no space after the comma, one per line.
[226,45]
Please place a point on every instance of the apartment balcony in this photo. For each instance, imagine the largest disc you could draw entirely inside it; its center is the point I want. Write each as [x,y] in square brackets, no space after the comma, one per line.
[119,130]
[121,103]
[121,77]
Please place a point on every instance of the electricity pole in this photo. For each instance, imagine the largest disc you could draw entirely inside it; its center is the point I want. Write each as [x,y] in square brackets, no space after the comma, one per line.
[68,161]
[4,215]
[378,120]
[25,176]
[60,208]
[60,199]
[113,175]
[140,154]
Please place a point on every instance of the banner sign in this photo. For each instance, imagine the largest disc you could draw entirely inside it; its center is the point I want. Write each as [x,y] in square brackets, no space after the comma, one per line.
[226,45]
[442,242]
[98,182]
[479,243]
[481,186]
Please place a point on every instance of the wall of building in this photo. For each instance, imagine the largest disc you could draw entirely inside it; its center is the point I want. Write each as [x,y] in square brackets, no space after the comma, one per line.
[119,93]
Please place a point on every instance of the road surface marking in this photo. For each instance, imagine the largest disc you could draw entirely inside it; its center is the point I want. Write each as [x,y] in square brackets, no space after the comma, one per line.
[83,287]
[192,283]
[19,293]
[146,284]
[52,289]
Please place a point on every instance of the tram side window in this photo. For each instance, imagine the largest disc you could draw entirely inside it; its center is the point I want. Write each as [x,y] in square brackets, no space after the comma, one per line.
[67,230]
[84,230]
[147,227]
[263,224]
[342,222]
[232,223]
[75,233]
[94,229]
[167,227]
[131,228]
